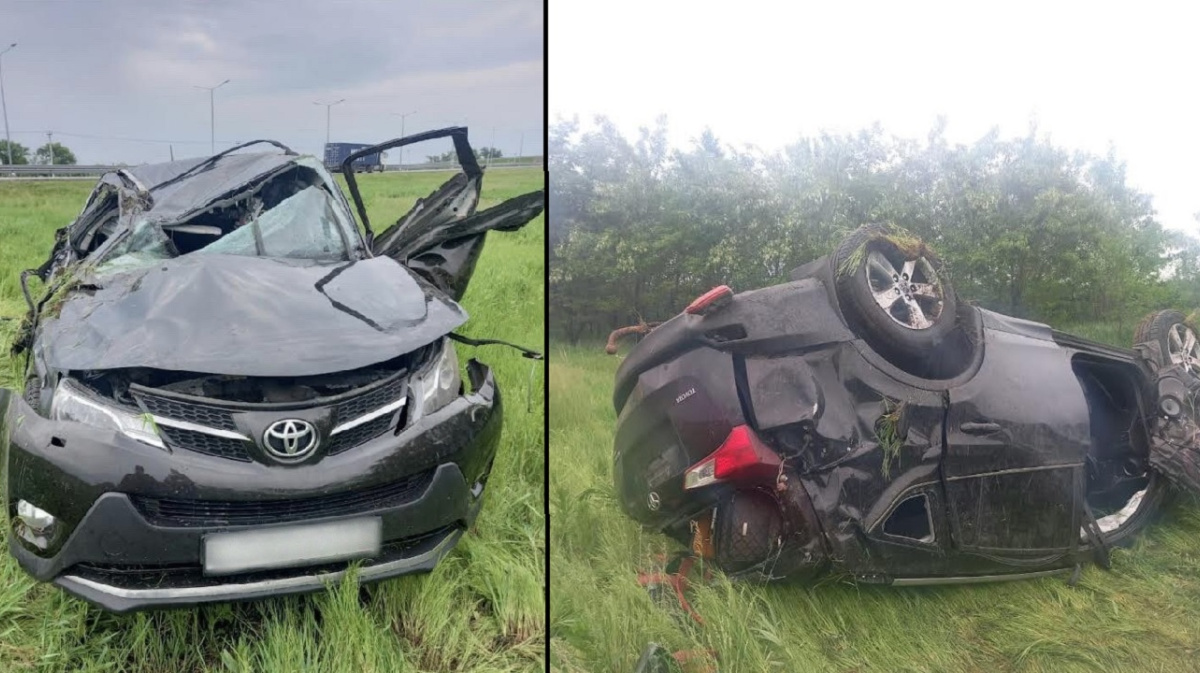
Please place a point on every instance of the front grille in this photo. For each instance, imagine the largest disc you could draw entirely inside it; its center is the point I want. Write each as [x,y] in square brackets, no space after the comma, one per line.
[176,512]
[370,401]
[220,415]
[192,412]
[225,447]
[355,436]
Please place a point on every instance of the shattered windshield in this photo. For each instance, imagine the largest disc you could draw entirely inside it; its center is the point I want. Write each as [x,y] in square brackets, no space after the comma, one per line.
[289,216]
[302,226]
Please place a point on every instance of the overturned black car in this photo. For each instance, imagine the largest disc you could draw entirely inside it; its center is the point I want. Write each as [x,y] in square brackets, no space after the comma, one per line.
[233,393]
[861,420]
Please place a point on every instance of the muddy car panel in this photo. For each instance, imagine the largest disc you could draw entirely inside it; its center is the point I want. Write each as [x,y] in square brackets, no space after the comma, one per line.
[219,351]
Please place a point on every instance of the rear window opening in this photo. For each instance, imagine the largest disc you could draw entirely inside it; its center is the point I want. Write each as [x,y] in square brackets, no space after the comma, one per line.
[911,520]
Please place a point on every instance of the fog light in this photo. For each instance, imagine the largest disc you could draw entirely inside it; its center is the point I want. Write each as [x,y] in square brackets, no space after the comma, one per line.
[35,525]
[36,518]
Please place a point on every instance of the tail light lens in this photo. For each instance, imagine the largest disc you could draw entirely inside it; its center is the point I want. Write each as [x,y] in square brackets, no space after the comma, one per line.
[741,457]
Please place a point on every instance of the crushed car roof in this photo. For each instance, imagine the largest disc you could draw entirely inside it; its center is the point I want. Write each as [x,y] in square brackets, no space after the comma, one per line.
[177,188]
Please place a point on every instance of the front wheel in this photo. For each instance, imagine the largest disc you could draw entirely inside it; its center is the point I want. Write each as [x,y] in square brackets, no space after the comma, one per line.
[1176,339]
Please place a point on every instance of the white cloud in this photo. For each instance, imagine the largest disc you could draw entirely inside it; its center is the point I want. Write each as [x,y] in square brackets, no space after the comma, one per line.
[763,73]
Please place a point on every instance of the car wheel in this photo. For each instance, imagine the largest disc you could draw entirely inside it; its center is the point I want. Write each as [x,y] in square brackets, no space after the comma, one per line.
[1174,336]
[893,289]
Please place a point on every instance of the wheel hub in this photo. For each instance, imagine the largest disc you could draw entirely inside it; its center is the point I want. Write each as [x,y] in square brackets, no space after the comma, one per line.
[911,296]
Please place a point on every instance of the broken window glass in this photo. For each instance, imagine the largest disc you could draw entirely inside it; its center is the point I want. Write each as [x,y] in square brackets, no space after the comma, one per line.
[144,246]
[302,226]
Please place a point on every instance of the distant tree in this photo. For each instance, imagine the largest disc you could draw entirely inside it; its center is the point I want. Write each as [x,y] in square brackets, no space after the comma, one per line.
[481,153]
[637,228]
[62,155]
[20,153]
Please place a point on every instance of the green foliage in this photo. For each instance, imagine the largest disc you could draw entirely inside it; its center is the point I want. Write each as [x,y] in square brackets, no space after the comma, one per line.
[887,434]
[1030,229]
[20,153]
[481,609]
[62,155]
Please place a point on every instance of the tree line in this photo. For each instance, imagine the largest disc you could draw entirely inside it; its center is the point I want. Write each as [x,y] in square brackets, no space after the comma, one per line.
[61,154]
[638,229]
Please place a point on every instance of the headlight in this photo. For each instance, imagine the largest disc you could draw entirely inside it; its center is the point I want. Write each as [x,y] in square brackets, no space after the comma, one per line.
[72,403]
[441,383]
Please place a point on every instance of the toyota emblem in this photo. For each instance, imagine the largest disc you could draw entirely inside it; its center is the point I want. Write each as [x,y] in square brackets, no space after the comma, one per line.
[290,440]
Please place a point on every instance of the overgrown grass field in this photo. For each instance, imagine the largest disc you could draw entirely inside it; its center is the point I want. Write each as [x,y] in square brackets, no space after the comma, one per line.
[1144,615]
[482,609]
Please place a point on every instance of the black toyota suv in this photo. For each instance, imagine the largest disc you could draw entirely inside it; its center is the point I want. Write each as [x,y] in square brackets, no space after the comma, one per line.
[232,392]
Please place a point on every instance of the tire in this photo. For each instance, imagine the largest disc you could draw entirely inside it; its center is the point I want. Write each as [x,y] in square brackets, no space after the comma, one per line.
[33,393]
[1171,331]
[894,291]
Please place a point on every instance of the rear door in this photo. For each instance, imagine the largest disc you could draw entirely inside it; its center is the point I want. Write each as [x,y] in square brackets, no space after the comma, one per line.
[441,237]
[1017,436]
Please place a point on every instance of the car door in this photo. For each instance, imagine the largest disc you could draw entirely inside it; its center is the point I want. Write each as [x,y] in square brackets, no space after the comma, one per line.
[1017,435]
[442,236]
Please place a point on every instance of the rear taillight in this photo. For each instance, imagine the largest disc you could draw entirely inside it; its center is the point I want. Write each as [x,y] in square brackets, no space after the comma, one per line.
[710,301]
[741,457]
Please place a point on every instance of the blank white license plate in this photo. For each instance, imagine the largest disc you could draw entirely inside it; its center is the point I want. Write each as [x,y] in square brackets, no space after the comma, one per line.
[291,546]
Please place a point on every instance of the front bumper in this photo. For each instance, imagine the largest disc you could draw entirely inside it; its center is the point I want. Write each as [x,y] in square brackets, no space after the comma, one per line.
[119,547]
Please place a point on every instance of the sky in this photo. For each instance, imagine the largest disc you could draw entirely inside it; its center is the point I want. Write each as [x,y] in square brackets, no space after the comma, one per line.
[107,76]
[1091,75]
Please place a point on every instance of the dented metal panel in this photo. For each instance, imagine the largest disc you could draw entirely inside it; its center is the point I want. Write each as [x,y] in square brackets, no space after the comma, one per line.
[250,316]
[1034,452]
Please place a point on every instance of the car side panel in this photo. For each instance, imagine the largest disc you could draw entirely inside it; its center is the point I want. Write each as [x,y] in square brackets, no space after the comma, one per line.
[1017,436]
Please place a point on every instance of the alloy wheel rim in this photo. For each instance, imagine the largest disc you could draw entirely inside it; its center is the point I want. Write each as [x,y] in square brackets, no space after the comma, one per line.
[911,296]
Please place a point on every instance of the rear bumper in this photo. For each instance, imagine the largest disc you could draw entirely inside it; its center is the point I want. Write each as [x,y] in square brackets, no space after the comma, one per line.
[115,550]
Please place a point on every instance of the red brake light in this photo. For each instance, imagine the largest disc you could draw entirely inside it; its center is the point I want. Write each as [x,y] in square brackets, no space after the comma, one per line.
[713,299]
[741,457]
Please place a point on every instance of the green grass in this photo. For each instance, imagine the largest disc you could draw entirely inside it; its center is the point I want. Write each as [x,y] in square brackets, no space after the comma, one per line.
[482,609]
[1142,616]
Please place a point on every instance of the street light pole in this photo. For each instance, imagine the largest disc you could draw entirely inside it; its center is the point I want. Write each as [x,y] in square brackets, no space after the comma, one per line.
[4,105]
[402,118]
[212,116]
[327,108]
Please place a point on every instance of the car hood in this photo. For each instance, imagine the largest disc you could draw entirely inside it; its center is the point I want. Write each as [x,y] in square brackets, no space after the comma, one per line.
[247,316]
